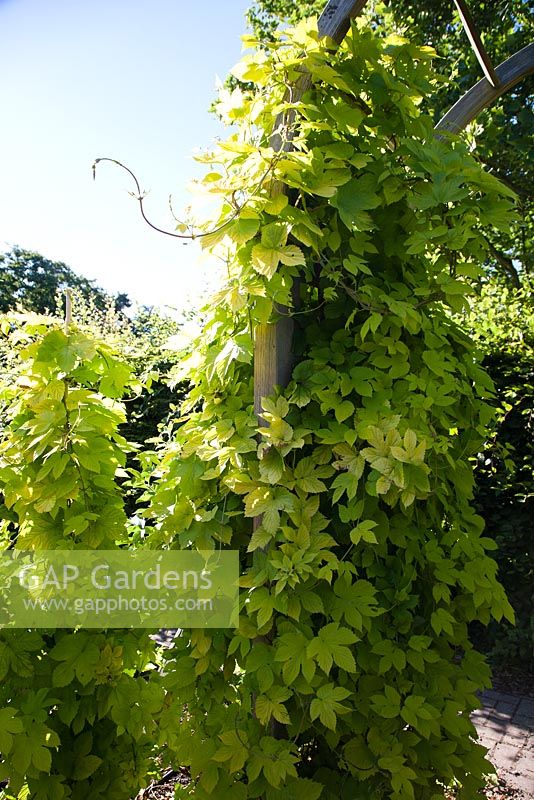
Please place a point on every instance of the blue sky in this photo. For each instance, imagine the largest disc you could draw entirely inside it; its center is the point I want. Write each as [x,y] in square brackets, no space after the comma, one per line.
[130,79]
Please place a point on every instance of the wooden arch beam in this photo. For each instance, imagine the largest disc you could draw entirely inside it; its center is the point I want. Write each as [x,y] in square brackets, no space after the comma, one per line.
[483,94]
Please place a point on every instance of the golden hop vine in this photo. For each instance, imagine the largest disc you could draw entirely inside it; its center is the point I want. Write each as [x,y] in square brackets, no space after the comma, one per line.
[351,674]
[73,705]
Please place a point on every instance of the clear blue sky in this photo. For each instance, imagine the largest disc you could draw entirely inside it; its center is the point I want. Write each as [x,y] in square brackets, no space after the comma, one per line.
[130,79]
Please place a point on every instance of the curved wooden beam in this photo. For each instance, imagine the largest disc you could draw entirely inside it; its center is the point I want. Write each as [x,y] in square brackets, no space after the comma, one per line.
[483,94]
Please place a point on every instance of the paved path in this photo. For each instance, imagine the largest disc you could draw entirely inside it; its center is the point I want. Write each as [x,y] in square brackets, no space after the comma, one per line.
[505,726]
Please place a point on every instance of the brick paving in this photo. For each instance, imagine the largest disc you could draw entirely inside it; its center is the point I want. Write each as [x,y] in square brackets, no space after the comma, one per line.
[505,725]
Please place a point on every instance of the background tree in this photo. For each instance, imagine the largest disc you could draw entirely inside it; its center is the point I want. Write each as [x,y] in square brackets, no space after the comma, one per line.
[31,281]
[502,321]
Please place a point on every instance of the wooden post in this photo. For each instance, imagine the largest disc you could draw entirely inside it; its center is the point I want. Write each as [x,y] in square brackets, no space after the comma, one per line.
[68,310]
[335,19]
[273,342]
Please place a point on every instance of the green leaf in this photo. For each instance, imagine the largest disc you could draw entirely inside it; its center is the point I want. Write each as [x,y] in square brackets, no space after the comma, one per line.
[209,777]
[233,750]
[85,767]
[354,199]
[304,789]
[259,540]
[441,620]
[271,520]
[9,724]
[41,758]
[358,755]
[63,674]
[271,466]
[311,484]
[388,704]
[258,501]
[291,650]
[330,645]
[265,260]
[244,229]
[344,410]
[327,704]
[364,531]
[271,705]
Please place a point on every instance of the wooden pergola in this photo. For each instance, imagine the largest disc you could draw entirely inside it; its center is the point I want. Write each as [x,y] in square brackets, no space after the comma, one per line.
[273,362]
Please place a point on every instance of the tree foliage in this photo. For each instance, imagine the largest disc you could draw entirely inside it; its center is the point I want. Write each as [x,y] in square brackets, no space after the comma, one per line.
[501,321]
[500,139]
[32,282]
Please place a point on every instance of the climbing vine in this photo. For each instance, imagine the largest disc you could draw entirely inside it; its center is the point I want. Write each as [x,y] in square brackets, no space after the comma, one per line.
[73,704]
[351,674]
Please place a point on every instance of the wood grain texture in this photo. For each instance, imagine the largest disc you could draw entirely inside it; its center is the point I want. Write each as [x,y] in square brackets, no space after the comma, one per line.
[335,19]
[476,42]
[273,361]
[483,94]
